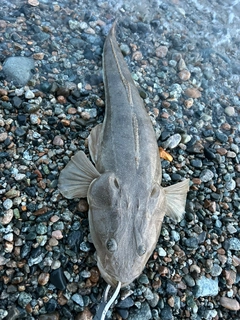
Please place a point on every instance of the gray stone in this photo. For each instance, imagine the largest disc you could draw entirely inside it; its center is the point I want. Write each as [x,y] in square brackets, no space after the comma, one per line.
[230,185]
[41,228]
[143,313]
[7,204]
[222,137]
[173,141]
[148,294]
[3,313]
[85,246]
[143,279]
[232,244]
[189,280]
[24,298]
[216,270]
[175,235]
[206,175]
[154,301]
[206,287]
[166,313]
[29,94]
[78,299]
[191,243]
[18,69]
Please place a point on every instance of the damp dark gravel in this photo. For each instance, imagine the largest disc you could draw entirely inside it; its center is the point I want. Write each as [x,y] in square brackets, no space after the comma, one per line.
[185,59]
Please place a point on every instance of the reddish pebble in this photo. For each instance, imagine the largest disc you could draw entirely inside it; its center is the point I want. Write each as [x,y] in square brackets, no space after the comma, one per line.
[161,51]
[184,75]
[84,315]
[171,302]
[94,275]
[230,304]
[53,242]
[65,122]
[222,151]
[3,136]
[230,276]
[54,218]
[163,271]
[61,99]
[58,141]
[226,126]
[82,206]
[38,56]
[72,110]
[85,115]
[166,104]
[137,55]
[165,115]
[156,284]
[88,87]
[3,24]
[236,261]
[57,234]
[43,278]
[193,93]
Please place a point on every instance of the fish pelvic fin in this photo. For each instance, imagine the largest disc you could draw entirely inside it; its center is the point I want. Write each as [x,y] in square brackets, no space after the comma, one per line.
[75,178]
[176,199]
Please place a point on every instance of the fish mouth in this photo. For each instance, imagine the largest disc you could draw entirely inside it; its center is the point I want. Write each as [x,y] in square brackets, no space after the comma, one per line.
[113,280]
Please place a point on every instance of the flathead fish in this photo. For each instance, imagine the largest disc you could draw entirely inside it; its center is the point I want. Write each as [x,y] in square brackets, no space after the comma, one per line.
[127,203]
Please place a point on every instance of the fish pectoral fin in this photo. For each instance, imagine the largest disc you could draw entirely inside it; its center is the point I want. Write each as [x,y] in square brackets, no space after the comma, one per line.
[176,199]
[94,141]
[75,178]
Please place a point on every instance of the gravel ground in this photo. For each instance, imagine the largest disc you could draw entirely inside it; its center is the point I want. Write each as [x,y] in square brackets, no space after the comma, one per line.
[185,58]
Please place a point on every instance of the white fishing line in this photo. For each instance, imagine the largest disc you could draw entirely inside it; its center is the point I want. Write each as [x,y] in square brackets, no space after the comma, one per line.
[110,302]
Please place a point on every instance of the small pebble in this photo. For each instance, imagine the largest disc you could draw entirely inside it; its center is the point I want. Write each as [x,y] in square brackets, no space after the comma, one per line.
[3,136]
[230,304]
[57,234]
[7,217]
[206,175]
[58,279]
[206,287]
[193,93]
[78,299]
[29,94]
[58,141]
[161,51]
[230,111]
[7,204]
[172,142]
[43,278]
[184,75]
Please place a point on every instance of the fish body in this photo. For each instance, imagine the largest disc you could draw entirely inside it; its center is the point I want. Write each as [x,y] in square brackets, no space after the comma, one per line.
[127,203]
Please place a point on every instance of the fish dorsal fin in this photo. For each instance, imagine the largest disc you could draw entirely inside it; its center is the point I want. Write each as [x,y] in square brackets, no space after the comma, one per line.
[94,141]
[176,199]
[75,178]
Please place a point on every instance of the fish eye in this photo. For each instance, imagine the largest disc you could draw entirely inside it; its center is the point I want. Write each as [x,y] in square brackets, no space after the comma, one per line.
[141,250]
[155,191]
[111,245]
[116,183]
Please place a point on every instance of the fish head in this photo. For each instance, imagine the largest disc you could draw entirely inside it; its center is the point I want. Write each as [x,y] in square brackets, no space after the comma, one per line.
[125,224]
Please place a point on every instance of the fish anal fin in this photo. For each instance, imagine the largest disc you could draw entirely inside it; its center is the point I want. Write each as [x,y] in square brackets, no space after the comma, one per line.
[75,178]
[176,199]
[94,141]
